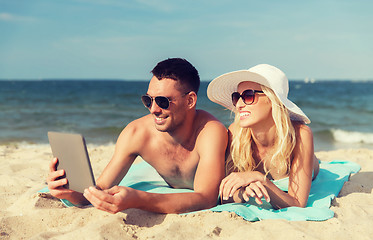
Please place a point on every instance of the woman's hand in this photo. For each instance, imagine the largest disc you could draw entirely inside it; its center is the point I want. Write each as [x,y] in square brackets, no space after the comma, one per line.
[257,191]
[232,182]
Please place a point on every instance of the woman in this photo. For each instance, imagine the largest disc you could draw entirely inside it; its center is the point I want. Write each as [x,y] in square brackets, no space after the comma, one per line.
[268,138]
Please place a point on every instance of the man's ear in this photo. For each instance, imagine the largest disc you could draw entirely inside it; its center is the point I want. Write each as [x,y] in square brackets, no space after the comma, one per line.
[192,99]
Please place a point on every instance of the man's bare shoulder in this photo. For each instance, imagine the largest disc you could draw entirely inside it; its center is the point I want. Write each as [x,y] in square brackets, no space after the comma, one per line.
[204,116]
[212,137]
[208,124]
[140,128]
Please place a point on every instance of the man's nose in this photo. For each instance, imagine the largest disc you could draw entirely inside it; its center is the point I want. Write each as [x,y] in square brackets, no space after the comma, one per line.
[154,108]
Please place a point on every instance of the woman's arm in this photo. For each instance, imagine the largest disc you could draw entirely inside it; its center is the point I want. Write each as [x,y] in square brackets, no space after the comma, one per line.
[300,177]
[238,185]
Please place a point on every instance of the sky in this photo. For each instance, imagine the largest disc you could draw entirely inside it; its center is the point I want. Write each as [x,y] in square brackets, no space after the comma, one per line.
[118,39]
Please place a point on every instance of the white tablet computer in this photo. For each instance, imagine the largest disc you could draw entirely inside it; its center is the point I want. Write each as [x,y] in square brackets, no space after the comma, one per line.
[71,151]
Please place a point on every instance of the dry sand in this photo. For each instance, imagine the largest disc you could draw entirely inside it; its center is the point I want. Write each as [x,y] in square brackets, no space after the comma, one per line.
[26,214]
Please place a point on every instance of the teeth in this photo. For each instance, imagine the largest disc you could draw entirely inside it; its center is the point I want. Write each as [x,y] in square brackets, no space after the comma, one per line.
[244,114]
[158,118]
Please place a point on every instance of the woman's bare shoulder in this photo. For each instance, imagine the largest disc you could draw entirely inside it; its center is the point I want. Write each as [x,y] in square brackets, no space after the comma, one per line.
[302,129]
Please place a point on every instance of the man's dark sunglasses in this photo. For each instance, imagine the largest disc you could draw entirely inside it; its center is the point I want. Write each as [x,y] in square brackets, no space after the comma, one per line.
[248,96]
[162,102]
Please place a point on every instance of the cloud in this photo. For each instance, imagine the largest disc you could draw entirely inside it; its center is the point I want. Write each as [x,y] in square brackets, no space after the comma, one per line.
[8,17]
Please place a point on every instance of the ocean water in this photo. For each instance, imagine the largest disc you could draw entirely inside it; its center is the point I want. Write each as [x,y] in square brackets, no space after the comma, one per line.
[341,112]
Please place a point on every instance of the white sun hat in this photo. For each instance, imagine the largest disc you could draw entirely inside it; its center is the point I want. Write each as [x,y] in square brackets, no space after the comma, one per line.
[221,88]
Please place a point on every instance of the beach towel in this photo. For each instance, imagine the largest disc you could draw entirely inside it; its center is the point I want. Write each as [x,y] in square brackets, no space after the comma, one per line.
[325,187]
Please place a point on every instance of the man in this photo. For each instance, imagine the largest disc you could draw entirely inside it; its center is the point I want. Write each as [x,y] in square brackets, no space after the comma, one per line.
[186,146]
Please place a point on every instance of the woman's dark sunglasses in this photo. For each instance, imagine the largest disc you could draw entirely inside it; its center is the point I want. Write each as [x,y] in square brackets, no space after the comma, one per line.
[248,96]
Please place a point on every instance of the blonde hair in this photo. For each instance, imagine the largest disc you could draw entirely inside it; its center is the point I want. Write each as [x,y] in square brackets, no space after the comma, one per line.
[279,159]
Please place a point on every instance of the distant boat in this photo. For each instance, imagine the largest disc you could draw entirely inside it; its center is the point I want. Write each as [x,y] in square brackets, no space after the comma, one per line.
[309,80]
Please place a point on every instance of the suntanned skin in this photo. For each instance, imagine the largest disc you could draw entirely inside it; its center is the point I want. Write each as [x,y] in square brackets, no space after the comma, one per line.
[186,146]
[239,186]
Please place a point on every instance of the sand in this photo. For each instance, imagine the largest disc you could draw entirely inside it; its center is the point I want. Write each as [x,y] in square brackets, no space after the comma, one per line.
[26,214]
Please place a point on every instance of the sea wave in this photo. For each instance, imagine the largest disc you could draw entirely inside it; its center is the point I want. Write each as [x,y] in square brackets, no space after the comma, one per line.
[344,136]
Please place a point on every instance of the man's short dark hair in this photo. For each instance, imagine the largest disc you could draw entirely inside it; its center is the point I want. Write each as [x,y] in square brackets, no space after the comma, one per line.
[179,70]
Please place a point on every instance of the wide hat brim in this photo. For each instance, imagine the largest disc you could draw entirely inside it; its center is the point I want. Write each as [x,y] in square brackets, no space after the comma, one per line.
[221,88]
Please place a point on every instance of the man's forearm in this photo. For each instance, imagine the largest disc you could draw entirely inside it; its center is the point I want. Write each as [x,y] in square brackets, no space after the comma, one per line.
[119,198]
[174,202]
